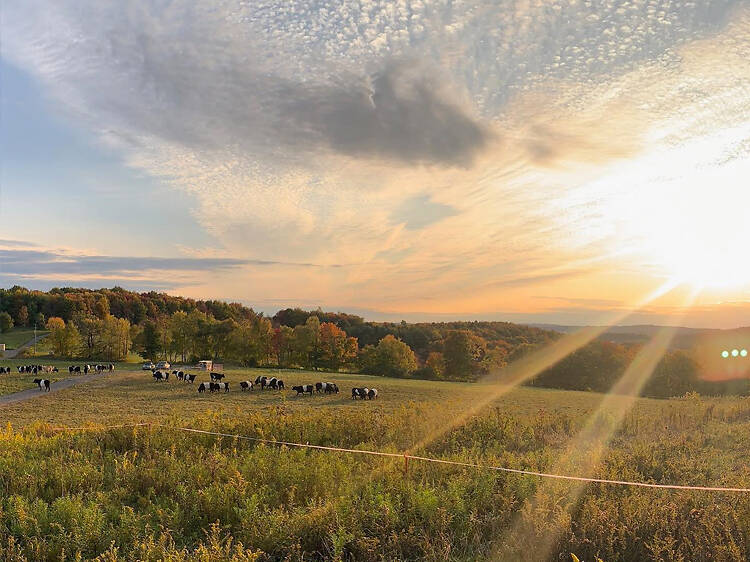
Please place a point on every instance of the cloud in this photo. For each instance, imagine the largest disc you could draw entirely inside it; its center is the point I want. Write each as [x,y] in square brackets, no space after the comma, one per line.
[435,150]
[51,262]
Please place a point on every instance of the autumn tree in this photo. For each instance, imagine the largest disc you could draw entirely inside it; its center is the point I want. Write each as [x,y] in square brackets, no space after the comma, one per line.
[336,348]
[462,351]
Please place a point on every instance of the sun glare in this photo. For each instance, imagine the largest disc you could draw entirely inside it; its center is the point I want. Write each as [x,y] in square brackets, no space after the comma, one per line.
[683,212]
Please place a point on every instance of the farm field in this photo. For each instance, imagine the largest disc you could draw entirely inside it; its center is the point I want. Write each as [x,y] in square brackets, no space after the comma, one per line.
[19,336]
[153,493]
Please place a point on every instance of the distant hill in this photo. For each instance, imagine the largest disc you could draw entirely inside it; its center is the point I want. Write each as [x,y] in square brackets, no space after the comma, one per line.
[685,338]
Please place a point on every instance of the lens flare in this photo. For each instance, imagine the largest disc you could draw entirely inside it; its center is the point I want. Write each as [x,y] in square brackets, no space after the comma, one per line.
[725,354]
[743,353]
[735,352]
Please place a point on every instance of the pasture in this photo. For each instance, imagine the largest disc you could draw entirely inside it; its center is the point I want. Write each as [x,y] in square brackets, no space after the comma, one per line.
[19,336]
[154,493]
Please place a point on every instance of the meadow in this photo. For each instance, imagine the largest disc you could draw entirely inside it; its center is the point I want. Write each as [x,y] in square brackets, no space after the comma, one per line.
[155,493]
[19,336]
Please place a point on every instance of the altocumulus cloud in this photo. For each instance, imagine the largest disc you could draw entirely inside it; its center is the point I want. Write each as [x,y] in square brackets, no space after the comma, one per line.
[307,130]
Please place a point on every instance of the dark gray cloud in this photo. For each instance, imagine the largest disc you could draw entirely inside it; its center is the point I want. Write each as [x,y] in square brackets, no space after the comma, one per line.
[50,262]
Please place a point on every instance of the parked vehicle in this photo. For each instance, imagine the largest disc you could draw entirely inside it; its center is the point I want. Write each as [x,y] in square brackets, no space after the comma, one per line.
[163,365]
[147,366]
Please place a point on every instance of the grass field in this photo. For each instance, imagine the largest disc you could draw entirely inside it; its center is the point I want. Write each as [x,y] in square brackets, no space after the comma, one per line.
[19,336]
[152,493]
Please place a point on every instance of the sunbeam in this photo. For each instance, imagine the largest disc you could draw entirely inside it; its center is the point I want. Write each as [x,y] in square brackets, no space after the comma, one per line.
[583,455]
[506,379]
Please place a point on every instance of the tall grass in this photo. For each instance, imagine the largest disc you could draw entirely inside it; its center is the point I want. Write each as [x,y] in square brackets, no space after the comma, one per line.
[153,493]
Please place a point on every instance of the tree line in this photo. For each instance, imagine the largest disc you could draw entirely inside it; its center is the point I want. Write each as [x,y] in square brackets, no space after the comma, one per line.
[111,323]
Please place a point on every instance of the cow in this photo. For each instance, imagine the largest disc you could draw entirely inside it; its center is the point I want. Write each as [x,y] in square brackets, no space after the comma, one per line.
[77,369]
[216,377]
[179,374]
[158,376]
[86,370]
[166,375]
[218,386]
[320,386]
[359,393]
[262,381]
[202,386]
[301,389]
[372,394]
[42,384]
[279,384]
[189,378]
[4,370]
[111,367]
[246,385]
[271,383]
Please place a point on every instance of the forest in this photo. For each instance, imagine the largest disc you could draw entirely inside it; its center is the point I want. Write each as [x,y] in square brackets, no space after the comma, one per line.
[112,324]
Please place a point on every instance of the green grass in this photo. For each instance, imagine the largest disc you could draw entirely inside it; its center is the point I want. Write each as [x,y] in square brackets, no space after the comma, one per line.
[156,494]
[19,336]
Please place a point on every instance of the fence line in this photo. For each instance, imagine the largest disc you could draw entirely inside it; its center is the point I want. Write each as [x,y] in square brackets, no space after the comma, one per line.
[407,457]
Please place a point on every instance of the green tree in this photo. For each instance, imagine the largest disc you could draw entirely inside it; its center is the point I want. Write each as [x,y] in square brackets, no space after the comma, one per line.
[390,358]
[462,351]
[151,344]
[6,322]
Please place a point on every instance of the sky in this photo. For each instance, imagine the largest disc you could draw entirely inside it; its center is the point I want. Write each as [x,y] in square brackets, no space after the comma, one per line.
[555,161]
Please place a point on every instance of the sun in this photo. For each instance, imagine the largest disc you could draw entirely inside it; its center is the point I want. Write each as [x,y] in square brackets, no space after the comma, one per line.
[683,213]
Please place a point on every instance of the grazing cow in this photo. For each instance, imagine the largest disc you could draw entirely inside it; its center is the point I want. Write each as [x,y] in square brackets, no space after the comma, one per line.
[246,385]
[301,389]
[219,386]
[279,384]
[181,375]
[189,378]
[42,384]
[359,393]
[203,386]
[262,381]
[86,370]
[166,375]
[77,369]
[158,376]
[271,383]
[4,370]
[111,367]
[372,394]
[216,377]
[320,386]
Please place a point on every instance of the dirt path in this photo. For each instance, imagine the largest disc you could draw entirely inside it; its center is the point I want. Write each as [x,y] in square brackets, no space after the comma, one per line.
[12,353]
[54,387]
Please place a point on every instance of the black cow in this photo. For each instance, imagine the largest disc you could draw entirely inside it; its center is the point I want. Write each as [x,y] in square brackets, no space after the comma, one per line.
[246,385]
[43,384]
[262,381]
[359,393]
[111,367]
[218,386]
[301,389]
[202,386]
[179,374]
[189,378]
[158,376]
[372,394]
[77,369]
[216,377]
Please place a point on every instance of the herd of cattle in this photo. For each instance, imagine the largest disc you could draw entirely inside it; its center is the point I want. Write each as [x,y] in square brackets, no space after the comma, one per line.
[44,384]
[263,382]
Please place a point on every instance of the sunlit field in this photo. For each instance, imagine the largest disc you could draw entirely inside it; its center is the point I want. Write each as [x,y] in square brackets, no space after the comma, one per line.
[153,492]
